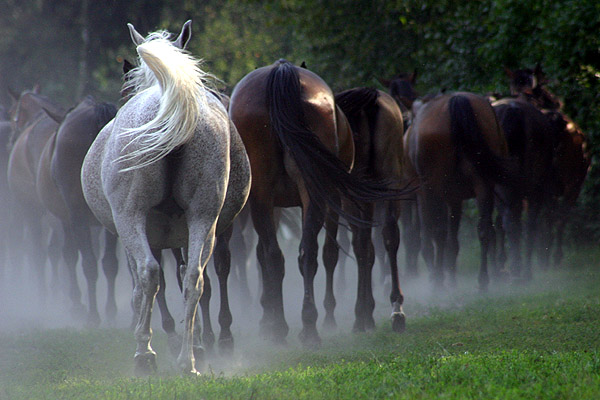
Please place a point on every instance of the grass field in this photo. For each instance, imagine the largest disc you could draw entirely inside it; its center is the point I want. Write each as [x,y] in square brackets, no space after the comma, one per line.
[539,341]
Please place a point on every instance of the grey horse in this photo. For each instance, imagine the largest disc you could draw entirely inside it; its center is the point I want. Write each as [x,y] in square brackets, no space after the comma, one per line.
[169,171]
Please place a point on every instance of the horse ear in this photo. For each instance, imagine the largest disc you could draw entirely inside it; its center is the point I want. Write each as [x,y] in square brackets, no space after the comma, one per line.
[185,35]
[136,38]
[509,73]
[413,77]
[36,88]
[127,66]
[303,65]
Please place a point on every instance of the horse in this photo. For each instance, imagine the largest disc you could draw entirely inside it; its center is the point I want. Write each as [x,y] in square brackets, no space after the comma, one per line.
[301,151]
[58,185]
[458,151]
[531,138]
[169,171]
[571,159]
[377,127]
[401,88]
[32,128]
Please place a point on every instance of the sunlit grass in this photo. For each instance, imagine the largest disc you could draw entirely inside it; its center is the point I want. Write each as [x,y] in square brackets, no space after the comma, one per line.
[536,341]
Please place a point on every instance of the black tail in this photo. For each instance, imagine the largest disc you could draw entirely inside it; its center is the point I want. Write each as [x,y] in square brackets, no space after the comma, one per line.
[471,143]
[325,176]
[355,103]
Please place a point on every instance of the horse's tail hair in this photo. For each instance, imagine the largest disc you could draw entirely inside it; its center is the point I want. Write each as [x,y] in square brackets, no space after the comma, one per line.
[471,144]
[182,103]
[324,174]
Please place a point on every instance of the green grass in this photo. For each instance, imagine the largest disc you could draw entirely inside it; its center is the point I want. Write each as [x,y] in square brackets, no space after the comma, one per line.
[541,341]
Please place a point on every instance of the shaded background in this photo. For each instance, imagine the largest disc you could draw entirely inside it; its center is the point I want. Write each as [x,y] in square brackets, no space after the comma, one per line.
[71,48]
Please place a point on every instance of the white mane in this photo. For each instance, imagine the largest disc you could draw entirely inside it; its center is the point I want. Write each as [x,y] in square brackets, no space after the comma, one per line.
[183,100]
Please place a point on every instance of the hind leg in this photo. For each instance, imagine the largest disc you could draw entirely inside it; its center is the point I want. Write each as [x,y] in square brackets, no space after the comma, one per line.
[222,260]
[270,257]
[391,240]
[452,245]
[167,320]
[411,236]
[433,216]
[307,261]
[146,271]
[365,257]
[485,230]
[330,260]
[110,267]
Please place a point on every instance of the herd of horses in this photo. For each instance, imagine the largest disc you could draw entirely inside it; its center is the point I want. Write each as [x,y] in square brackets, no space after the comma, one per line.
[178,162]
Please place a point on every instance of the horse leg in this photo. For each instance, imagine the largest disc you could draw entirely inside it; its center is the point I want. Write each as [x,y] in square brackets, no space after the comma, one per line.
[146,271]
[362,244]
[452,245]
[239,262]
[500,241]
[70,256]
[485,229]
[167,320]
[272,265]
[110,267]
[344,244]
[207,335]
[432,213]
[312,223]
[89,263]
[330,259]
[222,260]
[55,257]
[412,238]
[560,229]
[391,239]
[533,214]
[201,243]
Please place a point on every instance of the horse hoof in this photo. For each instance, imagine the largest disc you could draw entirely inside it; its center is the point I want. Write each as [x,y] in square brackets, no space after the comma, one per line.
[93,320]
[208,341]
[329,324]
[145,364]
[174,342]
[199,354]
[502,275]
[226,346]
[398,322]
[310,338]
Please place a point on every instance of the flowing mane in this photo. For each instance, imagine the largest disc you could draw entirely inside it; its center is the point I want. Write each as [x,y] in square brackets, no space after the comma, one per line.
[183,101]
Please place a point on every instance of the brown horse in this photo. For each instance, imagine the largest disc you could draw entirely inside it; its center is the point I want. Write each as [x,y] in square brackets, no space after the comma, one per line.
[301,150]
[402,89]
[32,127]
[377,127]
[458,152]
[571,159]
[530,138]
[58,186]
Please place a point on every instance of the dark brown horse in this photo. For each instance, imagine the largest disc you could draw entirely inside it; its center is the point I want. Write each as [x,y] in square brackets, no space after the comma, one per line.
[530,138]
[59,188]
[377,128]
[402,89]
[301,150]
[32,127]
[570,159]
[458,152]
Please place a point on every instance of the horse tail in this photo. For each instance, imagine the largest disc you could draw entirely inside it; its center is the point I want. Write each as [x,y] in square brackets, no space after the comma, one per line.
[324,174]
[182,104]
[358,102]
[471,143]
